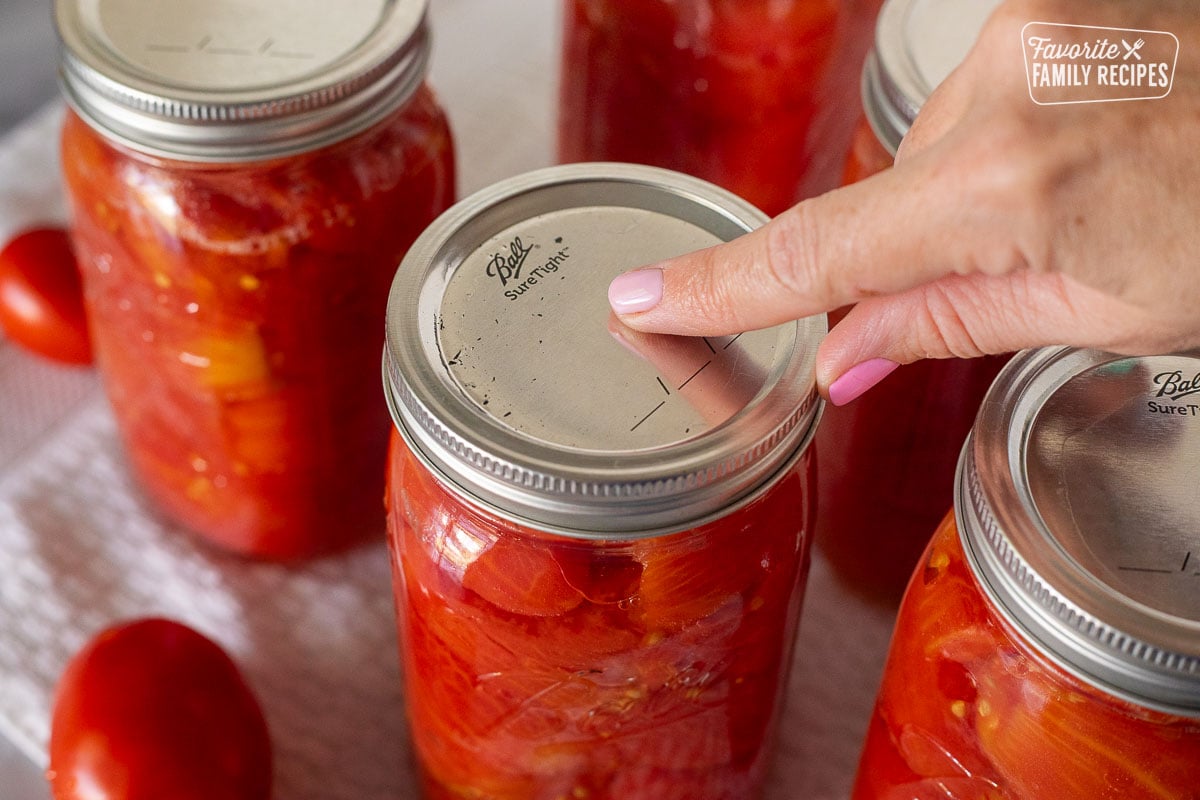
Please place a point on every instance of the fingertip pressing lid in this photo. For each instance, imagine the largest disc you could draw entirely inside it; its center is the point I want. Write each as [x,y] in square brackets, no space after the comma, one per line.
[508,374]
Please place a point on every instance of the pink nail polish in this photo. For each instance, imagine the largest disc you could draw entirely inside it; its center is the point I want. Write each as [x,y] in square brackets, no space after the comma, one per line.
[855,381]
[640,290]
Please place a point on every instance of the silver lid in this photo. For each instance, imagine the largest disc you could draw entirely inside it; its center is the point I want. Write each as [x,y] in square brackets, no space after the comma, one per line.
[917,44]
[243,80]
[1079,510]
[507,373]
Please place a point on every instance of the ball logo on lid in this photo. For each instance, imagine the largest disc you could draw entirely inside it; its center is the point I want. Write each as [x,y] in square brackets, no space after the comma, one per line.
[1174,385]
[1082,64]
[508,266]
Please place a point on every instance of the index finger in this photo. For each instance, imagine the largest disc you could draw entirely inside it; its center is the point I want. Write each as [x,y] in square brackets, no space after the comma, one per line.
[902,228]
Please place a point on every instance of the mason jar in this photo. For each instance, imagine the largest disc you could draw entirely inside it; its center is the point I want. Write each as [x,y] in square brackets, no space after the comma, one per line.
[600,538]
[1049,646]
[757,96]
[888,458]
[242,183]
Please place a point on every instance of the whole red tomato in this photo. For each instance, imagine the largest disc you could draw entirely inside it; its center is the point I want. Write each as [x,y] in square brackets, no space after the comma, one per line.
[152,710]
[41,299]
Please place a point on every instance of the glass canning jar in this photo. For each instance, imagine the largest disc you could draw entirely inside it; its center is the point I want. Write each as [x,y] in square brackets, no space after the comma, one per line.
[242,186]
[1049,647]
[754,95]
[600,538]
[888,458]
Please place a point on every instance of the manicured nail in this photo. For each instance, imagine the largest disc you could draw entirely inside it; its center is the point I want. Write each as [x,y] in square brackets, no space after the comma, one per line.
[640,290]
[855,381]
[616,329]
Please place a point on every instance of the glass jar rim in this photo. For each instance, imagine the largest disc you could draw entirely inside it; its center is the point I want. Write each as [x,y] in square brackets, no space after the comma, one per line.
[534,477]
[1049,502]
[169,100]
[918,43]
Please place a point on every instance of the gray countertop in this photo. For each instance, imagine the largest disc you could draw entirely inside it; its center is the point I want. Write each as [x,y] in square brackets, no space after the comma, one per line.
[27,58]
[27,82]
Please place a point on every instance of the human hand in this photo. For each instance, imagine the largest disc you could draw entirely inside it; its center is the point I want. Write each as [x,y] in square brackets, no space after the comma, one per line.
[1003,225]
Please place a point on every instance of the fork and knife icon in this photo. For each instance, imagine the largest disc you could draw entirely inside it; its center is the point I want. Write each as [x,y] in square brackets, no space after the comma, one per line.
[1132,49]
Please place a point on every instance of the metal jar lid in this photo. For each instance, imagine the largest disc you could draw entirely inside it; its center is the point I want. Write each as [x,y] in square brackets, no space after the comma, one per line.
[917,44]
[236,81]
[508,375]
[1079,510]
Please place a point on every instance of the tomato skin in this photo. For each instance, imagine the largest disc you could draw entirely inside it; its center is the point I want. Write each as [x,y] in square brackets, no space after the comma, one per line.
[41,299]
[521,578]
[150,709]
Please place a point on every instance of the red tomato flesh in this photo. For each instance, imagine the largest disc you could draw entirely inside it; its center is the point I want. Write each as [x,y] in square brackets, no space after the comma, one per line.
[521,578]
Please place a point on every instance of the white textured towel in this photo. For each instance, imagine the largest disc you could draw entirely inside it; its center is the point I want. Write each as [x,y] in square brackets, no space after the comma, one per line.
[80,548]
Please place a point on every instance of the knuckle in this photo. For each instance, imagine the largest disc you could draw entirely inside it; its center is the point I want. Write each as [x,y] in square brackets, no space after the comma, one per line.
[791,262]
[1017,167]
[1023,179]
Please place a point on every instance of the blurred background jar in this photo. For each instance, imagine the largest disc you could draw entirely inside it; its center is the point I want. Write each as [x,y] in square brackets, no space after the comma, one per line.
[600,538]
[242,184]
[888,458]
[757,96]
[1049,647]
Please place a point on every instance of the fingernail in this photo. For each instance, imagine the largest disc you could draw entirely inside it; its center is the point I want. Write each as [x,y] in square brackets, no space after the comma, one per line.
[640,290]
[616,329]
[855,381]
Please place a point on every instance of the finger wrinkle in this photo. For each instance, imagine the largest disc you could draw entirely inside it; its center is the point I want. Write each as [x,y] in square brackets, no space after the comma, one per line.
[792,257]
[946,329]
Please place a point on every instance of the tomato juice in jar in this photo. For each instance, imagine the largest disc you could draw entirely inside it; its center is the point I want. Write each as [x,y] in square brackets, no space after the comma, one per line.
[1050,645]
[753,95]
[600,538]
[242,186]
[888,458]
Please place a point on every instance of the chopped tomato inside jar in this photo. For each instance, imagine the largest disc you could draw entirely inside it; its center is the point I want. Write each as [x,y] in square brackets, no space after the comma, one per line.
[969,710]
[753,95]
[539,666]
[888,459]
[237,315]
[867,155]
[887,469]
